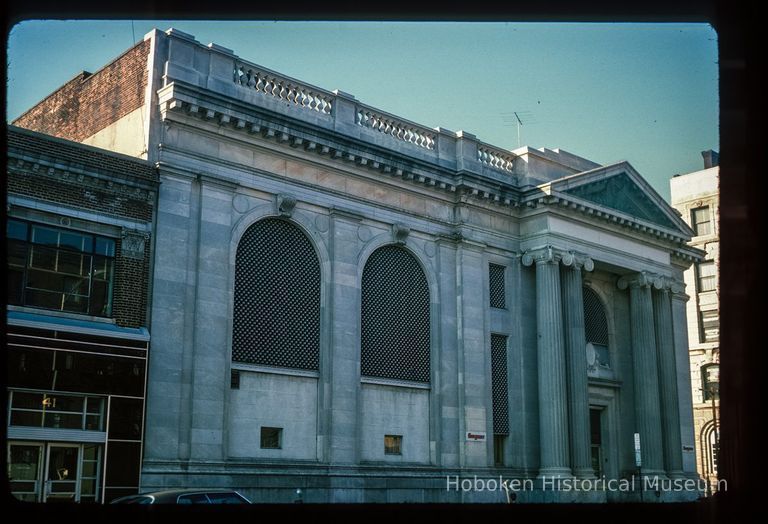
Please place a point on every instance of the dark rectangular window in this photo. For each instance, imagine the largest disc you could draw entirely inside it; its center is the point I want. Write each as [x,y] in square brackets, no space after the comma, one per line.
[125,418]
[496,285]
[701,221]
[235,379]
[498,449]
[55,268]
[596,440]
[271,438]
[706,276]
[123,464]
[30,368]
[393,444]
[103,373]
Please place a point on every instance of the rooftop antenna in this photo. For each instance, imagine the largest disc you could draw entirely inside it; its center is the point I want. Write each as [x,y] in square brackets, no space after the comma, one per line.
[517,118]
[519,125]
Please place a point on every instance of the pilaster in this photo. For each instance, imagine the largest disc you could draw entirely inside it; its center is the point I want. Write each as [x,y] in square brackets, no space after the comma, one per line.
[474,387]
[344,381]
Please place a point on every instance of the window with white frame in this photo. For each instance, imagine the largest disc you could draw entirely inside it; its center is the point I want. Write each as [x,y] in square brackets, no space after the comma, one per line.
[706,276]
[709,326]
[55,410]
[701,220]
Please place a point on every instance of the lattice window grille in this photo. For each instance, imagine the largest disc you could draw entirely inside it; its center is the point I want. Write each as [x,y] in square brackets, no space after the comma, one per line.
[496,285]
[395,317]
[595,321]
[277,298]
[499,384]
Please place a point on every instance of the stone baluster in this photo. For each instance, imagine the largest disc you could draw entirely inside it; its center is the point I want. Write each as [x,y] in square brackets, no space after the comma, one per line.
[646,379]
[553,401]
[576,357]
[670,409]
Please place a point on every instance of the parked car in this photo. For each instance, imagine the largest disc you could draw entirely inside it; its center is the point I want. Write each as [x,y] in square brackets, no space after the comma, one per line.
[185,496]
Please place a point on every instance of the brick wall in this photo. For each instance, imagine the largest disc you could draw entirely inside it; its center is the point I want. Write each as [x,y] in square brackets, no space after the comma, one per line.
[45,147]
[82,197]
[129,307]
[64,173]
[90,102]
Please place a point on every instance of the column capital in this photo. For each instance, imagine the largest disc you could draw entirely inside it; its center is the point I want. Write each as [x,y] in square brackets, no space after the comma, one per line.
[548,255]
[641,279]
[578,261]
[675,286]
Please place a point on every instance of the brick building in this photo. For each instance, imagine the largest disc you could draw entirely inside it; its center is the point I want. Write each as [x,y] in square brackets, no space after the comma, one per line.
[78,232]
[358,308]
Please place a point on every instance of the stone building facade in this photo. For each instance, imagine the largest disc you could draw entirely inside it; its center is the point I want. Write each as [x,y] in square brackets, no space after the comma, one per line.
[353,307]
[78,232]
[696,196]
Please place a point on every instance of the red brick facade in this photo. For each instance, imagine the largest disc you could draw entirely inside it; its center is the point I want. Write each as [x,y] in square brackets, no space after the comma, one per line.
[90,102]
[54,171]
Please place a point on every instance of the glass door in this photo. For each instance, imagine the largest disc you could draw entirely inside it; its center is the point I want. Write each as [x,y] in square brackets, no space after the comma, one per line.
[24,465]
[61,478]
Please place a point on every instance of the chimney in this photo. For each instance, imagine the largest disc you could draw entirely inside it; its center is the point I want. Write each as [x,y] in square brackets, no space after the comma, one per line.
[711,158]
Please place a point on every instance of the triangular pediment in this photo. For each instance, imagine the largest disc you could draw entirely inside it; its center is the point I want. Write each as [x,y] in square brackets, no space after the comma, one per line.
[622,193]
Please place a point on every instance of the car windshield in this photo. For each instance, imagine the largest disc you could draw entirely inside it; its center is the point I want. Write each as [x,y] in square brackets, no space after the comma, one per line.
[226,498]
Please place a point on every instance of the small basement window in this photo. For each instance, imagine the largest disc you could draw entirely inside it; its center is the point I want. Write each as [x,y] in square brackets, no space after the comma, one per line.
[271,438]
[393,444]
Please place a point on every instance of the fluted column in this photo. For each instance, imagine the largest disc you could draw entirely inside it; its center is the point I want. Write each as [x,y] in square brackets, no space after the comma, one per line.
[576,358]
[553,407]
[670,409]
[646,380]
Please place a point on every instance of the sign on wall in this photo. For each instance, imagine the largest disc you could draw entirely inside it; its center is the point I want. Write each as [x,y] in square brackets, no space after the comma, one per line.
[475,436]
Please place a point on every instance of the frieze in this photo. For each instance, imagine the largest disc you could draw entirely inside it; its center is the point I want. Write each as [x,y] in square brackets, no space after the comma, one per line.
[68,176]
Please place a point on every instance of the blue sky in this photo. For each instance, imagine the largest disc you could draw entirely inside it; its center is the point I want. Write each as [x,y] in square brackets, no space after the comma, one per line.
[645,93]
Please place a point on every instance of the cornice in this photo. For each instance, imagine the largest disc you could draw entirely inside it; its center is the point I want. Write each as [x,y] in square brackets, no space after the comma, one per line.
[135,189]
[556,200]
[258,123]
[182,100]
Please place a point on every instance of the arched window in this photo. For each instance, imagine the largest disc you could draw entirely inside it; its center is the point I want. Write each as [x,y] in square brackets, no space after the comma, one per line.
[596,330]
[395,317]
[710,444]
[277,297]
